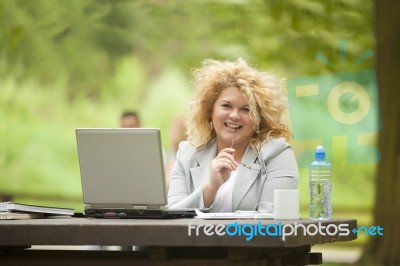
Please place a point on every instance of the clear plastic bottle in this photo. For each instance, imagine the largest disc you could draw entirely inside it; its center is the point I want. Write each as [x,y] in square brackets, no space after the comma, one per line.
[320,186]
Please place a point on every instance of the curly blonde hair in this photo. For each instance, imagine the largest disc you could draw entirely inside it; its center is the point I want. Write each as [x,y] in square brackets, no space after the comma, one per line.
[264,93]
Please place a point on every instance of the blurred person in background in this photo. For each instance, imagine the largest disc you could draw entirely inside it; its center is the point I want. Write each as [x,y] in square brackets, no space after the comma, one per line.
[237,151]
[177,134]
[130,119]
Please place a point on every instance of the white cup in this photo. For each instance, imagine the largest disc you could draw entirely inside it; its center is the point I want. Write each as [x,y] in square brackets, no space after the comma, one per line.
[286,204]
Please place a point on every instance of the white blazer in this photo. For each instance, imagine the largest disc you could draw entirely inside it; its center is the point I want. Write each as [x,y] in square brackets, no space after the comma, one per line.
[273,167]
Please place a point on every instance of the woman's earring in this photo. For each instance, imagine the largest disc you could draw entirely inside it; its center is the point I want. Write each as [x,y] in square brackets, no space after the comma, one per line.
[211,125]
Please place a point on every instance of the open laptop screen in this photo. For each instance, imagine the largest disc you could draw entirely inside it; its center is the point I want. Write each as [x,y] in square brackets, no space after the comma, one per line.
[121,167]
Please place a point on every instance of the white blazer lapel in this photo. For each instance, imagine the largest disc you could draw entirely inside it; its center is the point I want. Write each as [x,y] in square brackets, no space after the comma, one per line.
[203,159]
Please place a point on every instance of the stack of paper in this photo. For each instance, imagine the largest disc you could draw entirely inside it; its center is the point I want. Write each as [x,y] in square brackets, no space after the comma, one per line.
[10,210]
[233,215]
[20,216]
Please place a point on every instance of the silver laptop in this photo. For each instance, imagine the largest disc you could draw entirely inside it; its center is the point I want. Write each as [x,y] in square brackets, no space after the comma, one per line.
[122,172]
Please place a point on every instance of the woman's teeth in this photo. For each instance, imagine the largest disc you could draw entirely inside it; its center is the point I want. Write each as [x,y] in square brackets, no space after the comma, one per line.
[232,126]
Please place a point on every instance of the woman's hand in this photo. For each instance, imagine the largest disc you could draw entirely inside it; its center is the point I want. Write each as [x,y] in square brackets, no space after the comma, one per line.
[221,169]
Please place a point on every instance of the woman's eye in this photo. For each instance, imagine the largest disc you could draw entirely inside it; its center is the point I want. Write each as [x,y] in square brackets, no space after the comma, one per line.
[245,109]
[226,105]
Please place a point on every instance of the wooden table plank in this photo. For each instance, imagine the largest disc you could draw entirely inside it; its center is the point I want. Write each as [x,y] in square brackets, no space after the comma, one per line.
[152,232]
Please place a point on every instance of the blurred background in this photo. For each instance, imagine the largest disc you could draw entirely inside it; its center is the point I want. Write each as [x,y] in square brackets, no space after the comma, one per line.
[81,63]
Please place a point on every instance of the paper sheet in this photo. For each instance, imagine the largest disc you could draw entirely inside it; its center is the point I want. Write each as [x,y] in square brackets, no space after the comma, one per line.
[233,215]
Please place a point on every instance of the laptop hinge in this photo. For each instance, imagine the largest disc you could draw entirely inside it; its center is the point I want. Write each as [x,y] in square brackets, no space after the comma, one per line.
[147,207]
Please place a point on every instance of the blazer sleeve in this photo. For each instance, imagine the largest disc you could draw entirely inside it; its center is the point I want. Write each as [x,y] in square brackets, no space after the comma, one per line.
[181,192]
[280,167]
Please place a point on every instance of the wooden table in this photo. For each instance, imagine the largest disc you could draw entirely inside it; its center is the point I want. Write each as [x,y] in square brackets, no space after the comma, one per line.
[169,242]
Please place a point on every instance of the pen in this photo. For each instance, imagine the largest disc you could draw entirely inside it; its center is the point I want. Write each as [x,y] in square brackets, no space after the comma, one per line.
[233,140]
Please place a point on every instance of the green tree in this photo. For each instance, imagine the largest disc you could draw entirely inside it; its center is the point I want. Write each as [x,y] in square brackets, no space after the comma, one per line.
[82,41]
[83,60]
[52,40]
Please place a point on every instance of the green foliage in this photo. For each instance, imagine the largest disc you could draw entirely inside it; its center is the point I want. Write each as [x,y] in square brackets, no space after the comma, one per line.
[38,149]
[79,63]
[166,98]
[86,39]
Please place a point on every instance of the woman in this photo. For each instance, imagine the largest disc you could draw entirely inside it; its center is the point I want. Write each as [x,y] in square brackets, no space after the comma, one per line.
[237,151]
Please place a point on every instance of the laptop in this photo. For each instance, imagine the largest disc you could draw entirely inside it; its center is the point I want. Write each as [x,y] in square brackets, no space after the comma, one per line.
[122,173]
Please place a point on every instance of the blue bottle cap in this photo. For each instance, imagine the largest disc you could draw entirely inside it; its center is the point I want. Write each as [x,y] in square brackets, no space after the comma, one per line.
[320,153]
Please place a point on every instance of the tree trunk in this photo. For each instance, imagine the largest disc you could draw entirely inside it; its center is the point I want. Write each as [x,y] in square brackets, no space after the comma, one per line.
[384,250]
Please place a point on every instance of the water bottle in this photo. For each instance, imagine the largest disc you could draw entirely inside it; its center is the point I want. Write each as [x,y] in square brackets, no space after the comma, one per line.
[320,186]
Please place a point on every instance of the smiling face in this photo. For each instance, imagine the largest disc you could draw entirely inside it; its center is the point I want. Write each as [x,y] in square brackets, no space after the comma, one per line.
[231,113]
